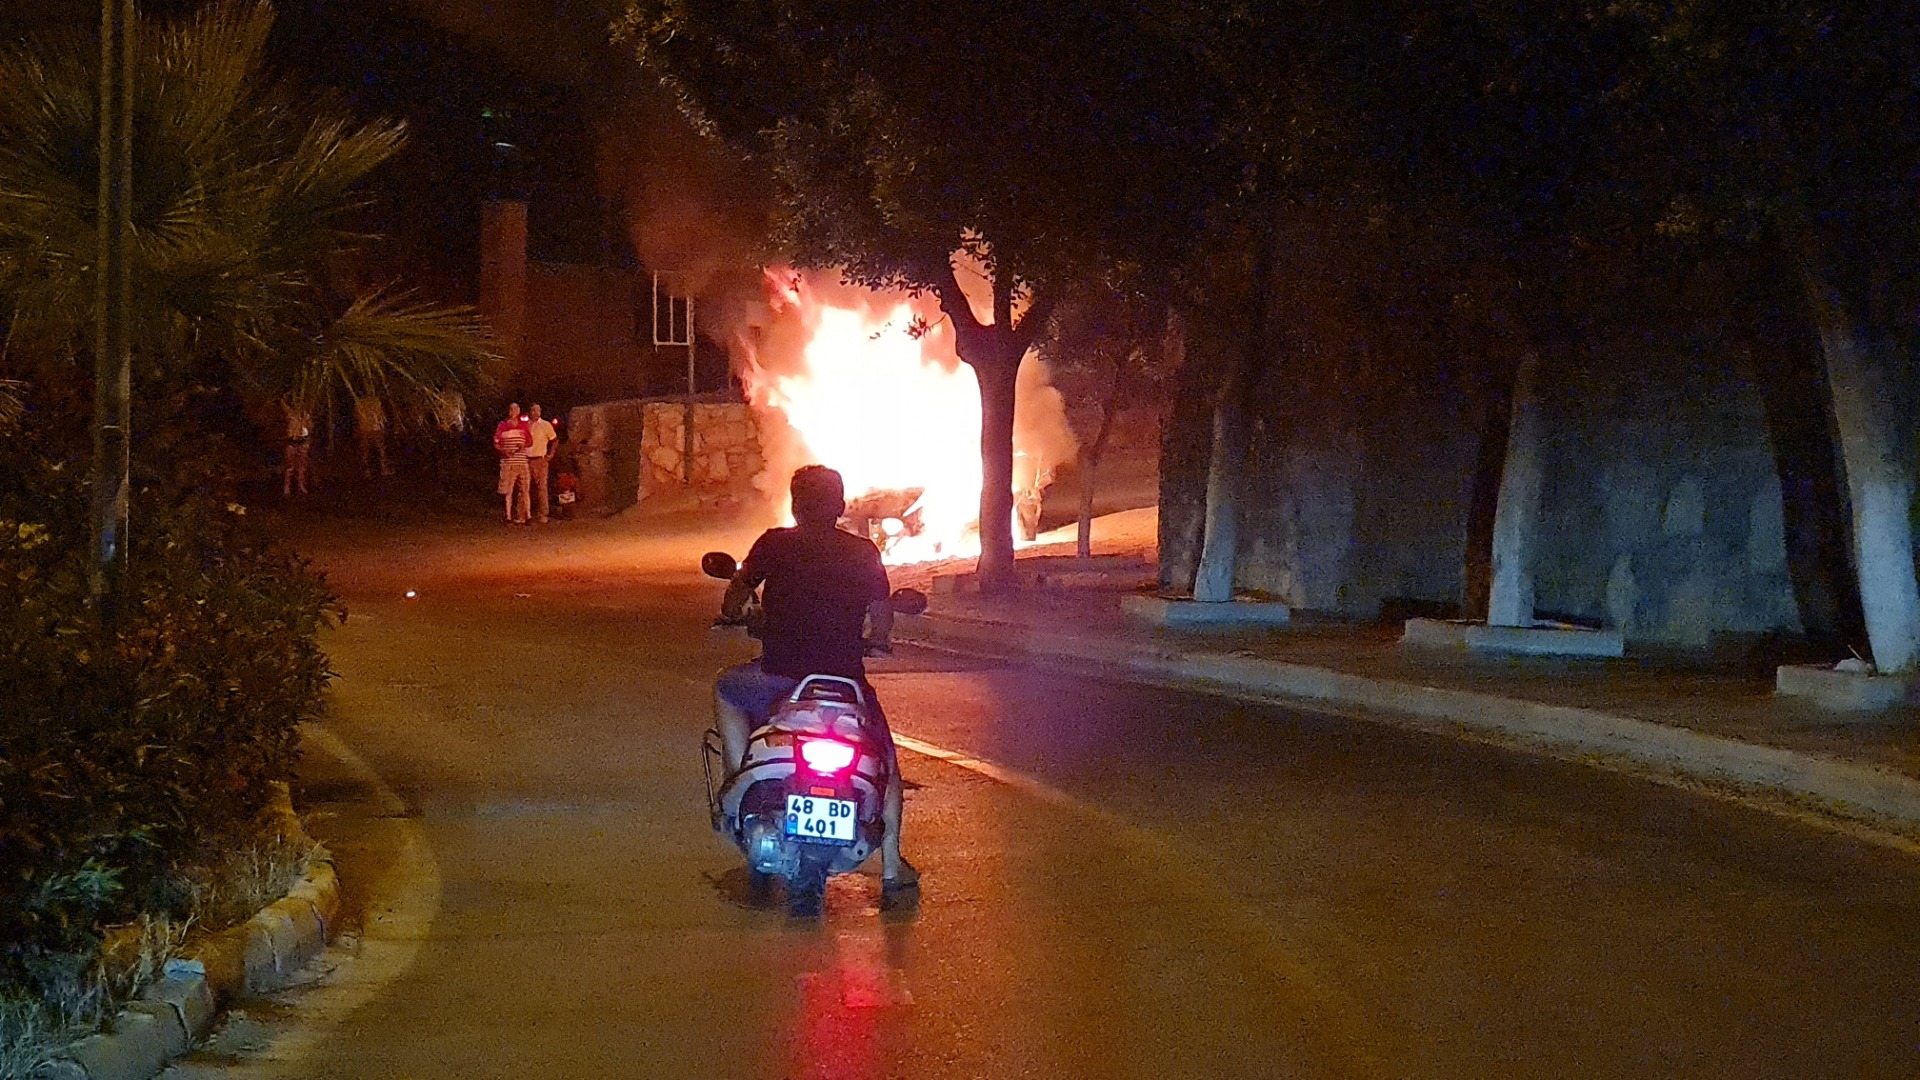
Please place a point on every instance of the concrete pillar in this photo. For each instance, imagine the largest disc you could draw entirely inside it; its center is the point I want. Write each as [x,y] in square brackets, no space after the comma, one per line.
[503,277]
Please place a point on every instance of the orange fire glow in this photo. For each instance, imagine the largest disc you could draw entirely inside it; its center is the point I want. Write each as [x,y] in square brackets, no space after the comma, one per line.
[869,384]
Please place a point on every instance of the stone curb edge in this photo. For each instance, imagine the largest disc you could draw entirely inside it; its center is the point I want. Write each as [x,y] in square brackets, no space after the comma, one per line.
[261,954]
[1849,790]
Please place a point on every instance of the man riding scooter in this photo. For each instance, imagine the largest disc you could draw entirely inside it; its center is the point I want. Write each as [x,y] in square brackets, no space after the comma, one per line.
[820,588]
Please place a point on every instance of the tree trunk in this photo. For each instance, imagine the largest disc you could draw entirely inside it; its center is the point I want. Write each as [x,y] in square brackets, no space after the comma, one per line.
[1516,522]
[997,388]
[1859,365]
[1483,501]
[1090,460]
[1213,582]
[994,352]
[1185,444]
[1790,369]
[1219,547]
[1083,533]
[113,291]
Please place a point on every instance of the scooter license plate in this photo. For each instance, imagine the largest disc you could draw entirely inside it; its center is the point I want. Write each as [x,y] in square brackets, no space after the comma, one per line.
[821,821]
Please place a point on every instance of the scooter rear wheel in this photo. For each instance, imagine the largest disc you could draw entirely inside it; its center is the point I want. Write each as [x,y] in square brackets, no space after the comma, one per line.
[806,890]
[759,885]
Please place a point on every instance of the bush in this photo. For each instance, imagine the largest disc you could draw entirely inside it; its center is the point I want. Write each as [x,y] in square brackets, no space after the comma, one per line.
[125,759]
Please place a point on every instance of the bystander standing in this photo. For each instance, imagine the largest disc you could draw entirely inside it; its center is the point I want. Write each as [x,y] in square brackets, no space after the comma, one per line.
[510,442]
[296,459]
[370,431]
[542,441]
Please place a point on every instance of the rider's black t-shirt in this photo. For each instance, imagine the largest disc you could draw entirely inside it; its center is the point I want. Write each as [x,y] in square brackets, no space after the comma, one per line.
[819,582]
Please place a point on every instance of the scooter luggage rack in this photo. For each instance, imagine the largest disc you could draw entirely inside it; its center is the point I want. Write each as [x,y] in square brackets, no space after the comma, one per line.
[710,752]
[834,688]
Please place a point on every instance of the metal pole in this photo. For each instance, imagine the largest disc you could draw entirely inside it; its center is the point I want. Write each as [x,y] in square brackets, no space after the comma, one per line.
[686,456]
[679,331]
[112,388]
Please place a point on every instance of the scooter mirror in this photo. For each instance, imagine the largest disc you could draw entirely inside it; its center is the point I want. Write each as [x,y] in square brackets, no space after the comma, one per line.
[718,564]
[908,601]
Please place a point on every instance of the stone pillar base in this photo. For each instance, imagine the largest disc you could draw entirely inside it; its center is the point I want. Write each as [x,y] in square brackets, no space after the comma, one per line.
[1171,614]
[1513,640]
[1845,691]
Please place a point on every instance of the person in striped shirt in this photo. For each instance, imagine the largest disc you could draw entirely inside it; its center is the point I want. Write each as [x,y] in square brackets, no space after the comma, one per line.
[510,442]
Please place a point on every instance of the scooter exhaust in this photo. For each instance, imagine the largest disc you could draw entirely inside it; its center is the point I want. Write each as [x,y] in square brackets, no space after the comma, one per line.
[767,850]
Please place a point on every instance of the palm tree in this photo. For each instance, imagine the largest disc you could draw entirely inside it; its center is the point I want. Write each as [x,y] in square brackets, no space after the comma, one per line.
[10,405]
[415,356]
[243,190]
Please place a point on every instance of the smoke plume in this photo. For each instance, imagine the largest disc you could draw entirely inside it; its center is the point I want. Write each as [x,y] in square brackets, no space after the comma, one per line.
[695,213]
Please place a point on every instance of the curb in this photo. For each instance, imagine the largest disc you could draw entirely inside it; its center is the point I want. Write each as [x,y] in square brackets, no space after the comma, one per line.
[262,954]
[1857,792]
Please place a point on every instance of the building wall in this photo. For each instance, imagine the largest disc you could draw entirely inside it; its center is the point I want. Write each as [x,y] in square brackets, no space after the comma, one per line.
[569,332]
[582,337]
[503,277]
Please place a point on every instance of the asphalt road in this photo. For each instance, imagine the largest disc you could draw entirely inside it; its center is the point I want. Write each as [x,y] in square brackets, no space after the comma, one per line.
[1135,884]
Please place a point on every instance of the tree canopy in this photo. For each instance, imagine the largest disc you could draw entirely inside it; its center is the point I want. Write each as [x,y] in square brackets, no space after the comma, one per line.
[1051,143]
[1032,136]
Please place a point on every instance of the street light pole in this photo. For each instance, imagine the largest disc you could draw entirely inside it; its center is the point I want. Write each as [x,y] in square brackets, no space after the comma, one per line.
[113,359]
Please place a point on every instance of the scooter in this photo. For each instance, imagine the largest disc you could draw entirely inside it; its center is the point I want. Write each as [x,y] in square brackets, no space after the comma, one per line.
[806,804]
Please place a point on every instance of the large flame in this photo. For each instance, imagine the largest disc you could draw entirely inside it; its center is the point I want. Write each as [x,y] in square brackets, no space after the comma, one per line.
[869,384]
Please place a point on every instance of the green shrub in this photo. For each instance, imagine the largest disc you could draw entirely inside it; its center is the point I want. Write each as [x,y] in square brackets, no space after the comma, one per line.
[125,759]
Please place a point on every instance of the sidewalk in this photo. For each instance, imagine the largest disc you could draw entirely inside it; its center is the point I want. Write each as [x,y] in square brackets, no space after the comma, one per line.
[1718,724]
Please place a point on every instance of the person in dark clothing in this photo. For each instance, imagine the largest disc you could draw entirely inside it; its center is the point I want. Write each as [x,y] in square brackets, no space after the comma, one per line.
[824,598]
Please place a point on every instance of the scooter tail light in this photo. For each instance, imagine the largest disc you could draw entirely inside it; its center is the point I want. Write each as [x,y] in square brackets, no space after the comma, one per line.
[826,756]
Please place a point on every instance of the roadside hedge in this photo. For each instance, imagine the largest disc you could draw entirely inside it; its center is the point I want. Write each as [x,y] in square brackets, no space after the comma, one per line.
[125,759]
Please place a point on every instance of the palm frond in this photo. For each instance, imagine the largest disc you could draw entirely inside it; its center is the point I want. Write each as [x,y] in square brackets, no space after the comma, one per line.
[409,353]
[47,155]
[241,187]
[11,407]
[204,74]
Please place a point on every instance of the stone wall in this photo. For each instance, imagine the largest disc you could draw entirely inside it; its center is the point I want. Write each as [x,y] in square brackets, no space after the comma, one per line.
[604,442]
[1358,489]
[1662,509]
[1355,491]
[1661,517]
[726,448]
[628,451]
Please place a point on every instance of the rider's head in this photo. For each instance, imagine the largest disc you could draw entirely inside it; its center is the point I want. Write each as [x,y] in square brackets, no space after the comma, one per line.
[819,497]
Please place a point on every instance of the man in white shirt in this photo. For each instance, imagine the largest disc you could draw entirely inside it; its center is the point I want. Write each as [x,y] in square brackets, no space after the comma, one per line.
[540,445]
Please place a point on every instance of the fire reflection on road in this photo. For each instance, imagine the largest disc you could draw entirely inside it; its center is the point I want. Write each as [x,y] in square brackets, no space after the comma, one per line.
[838,1031]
